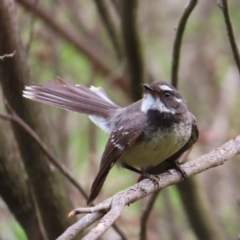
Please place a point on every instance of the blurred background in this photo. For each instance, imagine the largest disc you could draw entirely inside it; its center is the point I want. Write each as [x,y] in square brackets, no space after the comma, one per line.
[73,40]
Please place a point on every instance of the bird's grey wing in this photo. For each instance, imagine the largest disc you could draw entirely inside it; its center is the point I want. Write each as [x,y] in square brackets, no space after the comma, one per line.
[162,167]
[118,143]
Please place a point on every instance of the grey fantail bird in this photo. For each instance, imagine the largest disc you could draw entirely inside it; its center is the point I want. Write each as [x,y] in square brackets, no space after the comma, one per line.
[156,128]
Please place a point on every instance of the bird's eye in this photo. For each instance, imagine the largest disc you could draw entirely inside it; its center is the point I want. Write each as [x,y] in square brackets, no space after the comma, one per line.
[167,94]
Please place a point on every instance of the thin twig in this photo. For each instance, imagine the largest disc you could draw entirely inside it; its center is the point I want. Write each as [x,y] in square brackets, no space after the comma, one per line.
[145,187]
[111,29]
[31,31]
[178,41]
[7,55]
[15,118]
[223,4]
[145,214]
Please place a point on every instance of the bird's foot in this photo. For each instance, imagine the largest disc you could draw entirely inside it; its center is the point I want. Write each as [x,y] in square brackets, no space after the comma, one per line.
[177,166]
[154,178]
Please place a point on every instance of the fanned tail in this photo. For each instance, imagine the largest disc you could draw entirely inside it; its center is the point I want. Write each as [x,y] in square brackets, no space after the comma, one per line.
[69,96]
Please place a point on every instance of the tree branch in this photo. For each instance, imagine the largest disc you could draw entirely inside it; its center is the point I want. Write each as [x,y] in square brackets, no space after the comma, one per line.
[223,4]
[7,55]
[14,188]
[103,12]
[213,159]
[54,160]
[178,41]
[132,47]
[48,185]
[108,219]
[81,225]
[145,215]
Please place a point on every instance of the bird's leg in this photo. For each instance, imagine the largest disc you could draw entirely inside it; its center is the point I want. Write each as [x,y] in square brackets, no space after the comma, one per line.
[154,178]
[177,166]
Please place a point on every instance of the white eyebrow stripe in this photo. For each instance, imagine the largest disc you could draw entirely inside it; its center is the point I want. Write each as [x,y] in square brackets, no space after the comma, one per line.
[165,87]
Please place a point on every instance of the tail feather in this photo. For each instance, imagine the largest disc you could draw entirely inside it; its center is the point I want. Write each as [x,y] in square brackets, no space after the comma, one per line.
[97,184]
[72,97]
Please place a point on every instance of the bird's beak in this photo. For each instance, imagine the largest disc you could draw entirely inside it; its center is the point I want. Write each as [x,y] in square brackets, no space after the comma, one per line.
[148,88]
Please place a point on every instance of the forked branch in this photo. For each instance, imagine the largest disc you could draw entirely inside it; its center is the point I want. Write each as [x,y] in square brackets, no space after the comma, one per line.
[109,210]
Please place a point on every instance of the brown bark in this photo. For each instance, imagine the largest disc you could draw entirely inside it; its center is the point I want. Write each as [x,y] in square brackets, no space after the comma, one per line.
[48,186]
[132,47]
[14,189]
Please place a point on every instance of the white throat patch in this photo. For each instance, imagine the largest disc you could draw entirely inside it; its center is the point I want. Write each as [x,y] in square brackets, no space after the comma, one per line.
[150,103]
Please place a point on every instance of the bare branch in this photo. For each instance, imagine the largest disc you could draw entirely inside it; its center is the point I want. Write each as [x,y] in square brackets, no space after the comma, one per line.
[223,4]
[145,214]
[132,47]
[80,226]
[140,190]
[57,163]
[15,189]
[178,41]
[7,55]
[116,209]
[31,30]
[106,18]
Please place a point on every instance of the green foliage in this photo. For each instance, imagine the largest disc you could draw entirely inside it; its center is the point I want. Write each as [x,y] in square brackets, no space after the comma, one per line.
[12,230]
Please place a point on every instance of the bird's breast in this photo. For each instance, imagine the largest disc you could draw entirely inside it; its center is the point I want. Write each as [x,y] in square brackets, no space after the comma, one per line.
[156,146]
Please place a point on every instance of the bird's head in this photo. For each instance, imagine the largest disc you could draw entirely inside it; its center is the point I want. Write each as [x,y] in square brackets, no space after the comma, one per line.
[162,97]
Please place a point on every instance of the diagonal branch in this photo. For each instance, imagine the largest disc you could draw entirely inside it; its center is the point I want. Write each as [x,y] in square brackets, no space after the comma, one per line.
[106,18]
[140,190]
[223,4]
[81,43]
[15,118]
[178,41]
